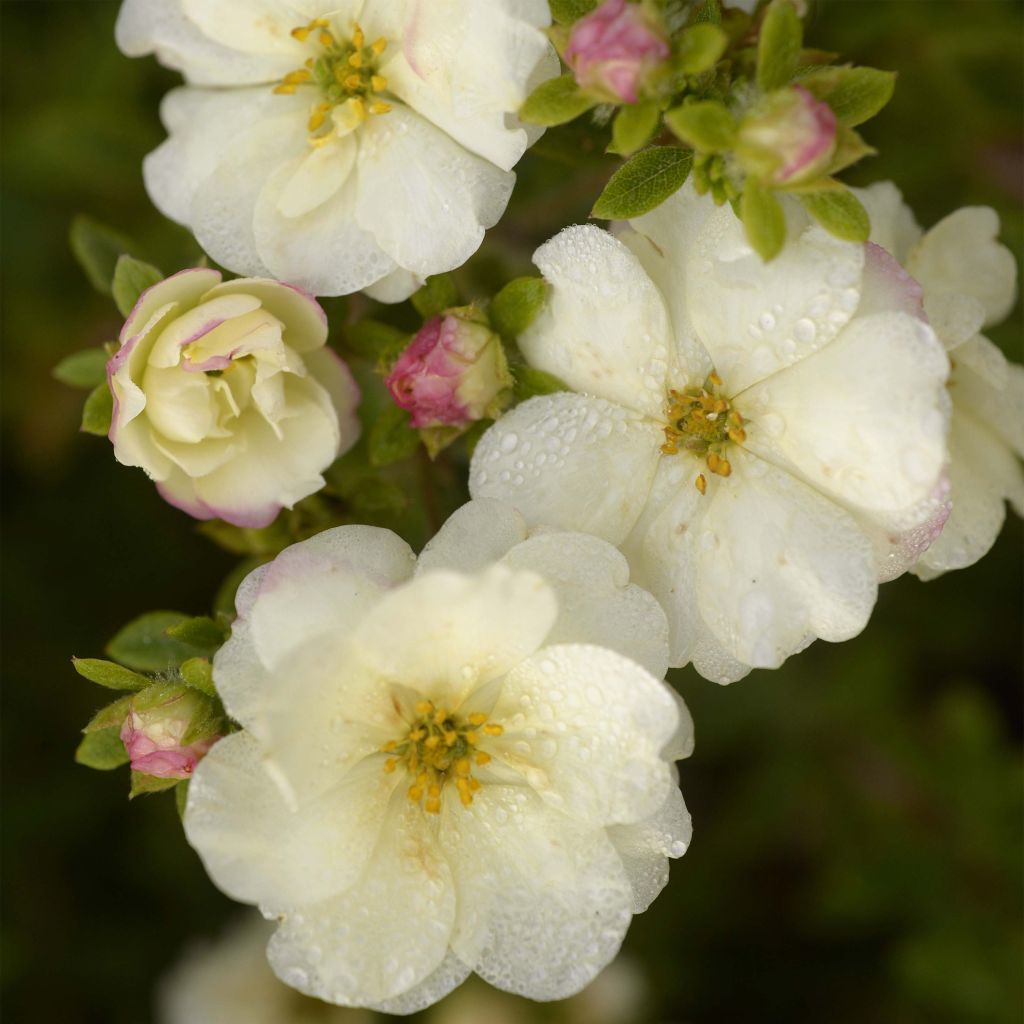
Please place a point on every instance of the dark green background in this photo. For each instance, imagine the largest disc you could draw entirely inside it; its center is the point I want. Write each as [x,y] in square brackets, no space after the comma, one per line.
[857,848]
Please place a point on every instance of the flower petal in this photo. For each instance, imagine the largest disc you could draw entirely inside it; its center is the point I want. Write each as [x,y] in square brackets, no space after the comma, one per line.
[893,226]
[304,321]
[473,537]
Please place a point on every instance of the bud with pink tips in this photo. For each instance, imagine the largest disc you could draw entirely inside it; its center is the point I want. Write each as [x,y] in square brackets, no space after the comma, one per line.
[156,730]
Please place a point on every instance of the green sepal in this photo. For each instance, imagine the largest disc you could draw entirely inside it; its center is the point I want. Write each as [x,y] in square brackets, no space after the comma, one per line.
[778,48]
[763,219]
[131,278]
[436,439]
[530,382]
[197,674]
[854,94]
[98,411]
[201,632]
[102,750]
[708,125]
[437,294]
[517,305]
[106,673]
[181,797]
[556,101]
[145,645]
[143,784]
[850,148]
[97,248]
[633,127]
[709,12]
[565,12]
[391,438]
[85,369]
[700,48]
[643,182]
[110,717]
[839,212]
[247,540]
[376,340]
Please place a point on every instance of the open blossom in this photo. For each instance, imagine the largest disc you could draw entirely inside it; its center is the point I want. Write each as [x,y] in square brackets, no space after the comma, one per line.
[154,736]
[341,144]
[968,282]
[613,50]
[461,765]
[763,441]
[452,372]
[225,394]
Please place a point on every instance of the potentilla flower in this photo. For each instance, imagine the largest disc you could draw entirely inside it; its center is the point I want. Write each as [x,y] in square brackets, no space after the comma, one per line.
[360,144]
[225,394]
[464,765]
[763,441]
[968,282]
[154,735]
[452,372]
[614,49]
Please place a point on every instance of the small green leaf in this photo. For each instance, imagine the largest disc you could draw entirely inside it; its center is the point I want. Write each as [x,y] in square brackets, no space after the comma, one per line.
[437,294]
[565,12]
[201,632]
[763,219]
[198,675]
[391,438]
[530,382]
[142,784]
[700,48]
[144,644]
[98,411]
[517,305]
[131,278]
[707,126]
[854,94]
[555,101]
[106,673]
[181,797]
[633,127]
[709,12]
[850,148]
[84,369]
[644,182]
[102,750]
[97,248]
[778,48]
[110,717]
[840,213]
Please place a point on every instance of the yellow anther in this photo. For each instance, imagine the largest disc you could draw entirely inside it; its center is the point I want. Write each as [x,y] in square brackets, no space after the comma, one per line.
[715,379]
[378,82]
[450,736]
[477,718]
[440,716]
[389,746]
[318,117]
[701,483]
[358,108]
[380,107]
[737,434]
[309,62]
[320,23]
[424,707]
[297,77]
[494,730]
[302,33]
[433,805]
[474,784]
[417,734]
[390,764]
[325,38]
[431,742]
[472,737]
[415,794]
[284,90]
[355,59]
[482,758]
[463,767]
[358,38]
[379,46]
[465,791]
[718,465]
[352,81]
[434,790]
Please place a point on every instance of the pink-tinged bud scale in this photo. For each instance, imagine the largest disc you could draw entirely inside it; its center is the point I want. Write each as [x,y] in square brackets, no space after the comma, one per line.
[153,739]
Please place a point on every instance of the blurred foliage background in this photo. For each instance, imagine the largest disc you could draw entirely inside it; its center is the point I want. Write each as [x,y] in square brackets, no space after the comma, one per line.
[858,831]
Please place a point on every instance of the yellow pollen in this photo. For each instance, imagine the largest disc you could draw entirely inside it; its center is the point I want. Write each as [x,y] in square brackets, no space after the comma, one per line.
[424,707]
[378,83]
[701,483]
[431,742]
[380,107]
[358,38]
[302,34]
[284,90]
[351,81]
[355,60]
[379,46]
[477,718]
[493,730]
[482,758]
[325,38]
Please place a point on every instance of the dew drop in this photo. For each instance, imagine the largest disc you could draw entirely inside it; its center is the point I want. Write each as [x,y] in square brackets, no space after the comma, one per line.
[805,330]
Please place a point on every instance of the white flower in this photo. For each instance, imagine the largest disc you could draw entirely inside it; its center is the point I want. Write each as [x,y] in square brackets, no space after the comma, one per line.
[440,771]
[969,281]
[225,394]
[341,144]
[763,441]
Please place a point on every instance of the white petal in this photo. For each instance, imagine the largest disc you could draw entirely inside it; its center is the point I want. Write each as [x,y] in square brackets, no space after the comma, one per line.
[954,317]
[864,419]
[474,536]
[303,320]
[451,973]
[255,26]
[174,294]
[543,902]
[604,329]
[892,222]
[991,390]
[988,364]
[425,199]
[606,768]
[396,287]
[315,177]
[571,461]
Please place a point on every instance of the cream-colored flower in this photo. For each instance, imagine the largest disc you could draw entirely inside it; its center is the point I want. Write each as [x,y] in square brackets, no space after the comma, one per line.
[464,765]
[341,144]
[225,394]
[968,281]
[763,441]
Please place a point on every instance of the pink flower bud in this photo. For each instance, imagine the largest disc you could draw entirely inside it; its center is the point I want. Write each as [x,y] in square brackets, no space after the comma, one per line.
[153,737]
[452,372]
[788,138]
[613,50]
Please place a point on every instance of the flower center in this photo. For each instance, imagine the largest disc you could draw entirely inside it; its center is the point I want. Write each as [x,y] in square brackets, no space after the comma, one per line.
[441,746]
[703,421]
[345,73]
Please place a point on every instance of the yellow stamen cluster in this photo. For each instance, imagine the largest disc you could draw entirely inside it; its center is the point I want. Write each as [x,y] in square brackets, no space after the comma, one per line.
[441,746]
[345,72]
[701,420]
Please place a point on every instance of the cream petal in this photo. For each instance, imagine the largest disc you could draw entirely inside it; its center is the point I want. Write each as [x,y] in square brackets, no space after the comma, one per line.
[256,26]
[893,226]
[304,321]
[395,287]
[310,180]
[174,294]
[451,973]
[473,537]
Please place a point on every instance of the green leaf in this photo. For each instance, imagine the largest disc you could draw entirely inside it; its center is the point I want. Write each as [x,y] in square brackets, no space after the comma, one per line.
[181,797]
[144,644]
[102,750]
[97,248]
[778,48]
[98,411]
[224,601]
[850,148]
[854,94]
[633,127]
[517,305]
[142,784]
[530,382]
[106,673]
[644,182]
[198,675]
[84,369]
[376,340]
[710,12]
[131,278]
[437,294]
[840,213]
[700,48]
[555,101]
[763,219]
[201,632]
[110,717]
[391,438]
[707,126]
[565,12]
